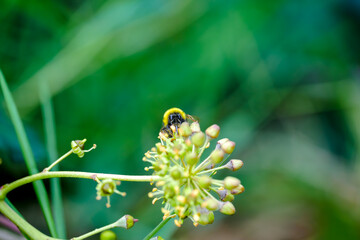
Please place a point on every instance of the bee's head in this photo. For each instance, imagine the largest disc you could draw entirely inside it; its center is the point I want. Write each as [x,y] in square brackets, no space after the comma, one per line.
[175,119]
[174,116]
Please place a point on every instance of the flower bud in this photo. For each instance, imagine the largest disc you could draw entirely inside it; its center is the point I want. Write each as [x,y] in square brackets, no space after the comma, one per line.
[217,156]
[213,131]
[210,204]
[78,147]
[198,139]
[181,199]
[126,222]
[191,158]
[229,197]
[222,141]
[239,189]
[108,235]
[227,208]
[206,218]
[204,181]
[234,164]
[231,183]
[195,127]
[228,147]
[175,173]
[185,129]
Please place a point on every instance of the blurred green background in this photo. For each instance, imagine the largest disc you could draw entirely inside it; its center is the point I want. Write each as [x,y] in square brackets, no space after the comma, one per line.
[281,79]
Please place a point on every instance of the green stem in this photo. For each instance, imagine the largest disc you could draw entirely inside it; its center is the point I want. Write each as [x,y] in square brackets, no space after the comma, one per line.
[23,225]
[58,160]
[222,162]
[96,231]
[157,228]
[70,174]
[211,170]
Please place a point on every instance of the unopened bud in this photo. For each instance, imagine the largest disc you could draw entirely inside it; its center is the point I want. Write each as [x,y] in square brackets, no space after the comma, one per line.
[175,173]
[126,222]
[222,141]
[210,204]
[185,129]
[181,199]
[195,127]
[213,131]
[198,139]
[206,218]
[217,156]
[234,164]
[239,189]
[228,147]
[227,208]
[204,181]
[191,158]
[231,183]
[108,235]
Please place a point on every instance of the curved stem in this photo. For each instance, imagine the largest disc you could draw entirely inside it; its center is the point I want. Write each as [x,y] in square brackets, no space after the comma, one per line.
[157,228]
[72,174]
[23,225]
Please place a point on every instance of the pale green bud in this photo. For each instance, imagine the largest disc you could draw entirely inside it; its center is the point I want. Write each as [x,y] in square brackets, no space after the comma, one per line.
[228,147]
[206,218]
[211,204]
[213,131]
[195,127]
[185,129]
[217,156]
[239,189]
[198,139]
[204,181]
[227,208]
[234,164]
[231,183]
[175,173]
[191,158]
[108,235]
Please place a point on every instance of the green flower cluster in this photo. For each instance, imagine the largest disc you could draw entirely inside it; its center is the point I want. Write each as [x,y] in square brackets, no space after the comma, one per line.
[186,183]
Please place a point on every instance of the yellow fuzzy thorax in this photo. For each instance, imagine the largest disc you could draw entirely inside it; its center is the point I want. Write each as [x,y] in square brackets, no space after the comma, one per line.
[170,111]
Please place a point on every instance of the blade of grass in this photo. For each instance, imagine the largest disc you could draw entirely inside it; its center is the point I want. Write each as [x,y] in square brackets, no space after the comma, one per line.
[39,186]
[50,136]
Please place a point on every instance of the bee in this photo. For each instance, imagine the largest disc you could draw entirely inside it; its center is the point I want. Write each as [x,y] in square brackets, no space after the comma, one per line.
[173,118]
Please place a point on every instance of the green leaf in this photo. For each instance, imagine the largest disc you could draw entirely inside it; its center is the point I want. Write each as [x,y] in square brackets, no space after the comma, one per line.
[39,186]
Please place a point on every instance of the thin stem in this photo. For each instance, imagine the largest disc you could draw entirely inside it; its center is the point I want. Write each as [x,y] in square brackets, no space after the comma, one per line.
[72,174]
[222,162]
[202,165]
[157,228]
[211,170]
[58,160]
[96,231]
[204,146]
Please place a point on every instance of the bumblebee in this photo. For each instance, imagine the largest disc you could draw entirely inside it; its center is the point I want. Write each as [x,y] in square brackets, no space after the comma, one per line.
[174,117]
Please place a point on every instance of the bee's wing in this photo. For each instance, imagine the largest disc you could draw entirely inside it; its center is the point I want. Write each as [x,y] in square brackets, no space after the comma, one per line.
[193,118]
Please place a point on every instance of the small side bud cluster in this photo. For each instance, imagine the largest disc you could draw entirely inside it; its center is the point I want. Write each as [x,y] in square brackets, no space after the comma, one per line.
[186,185]
[77,147]
[106,188]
